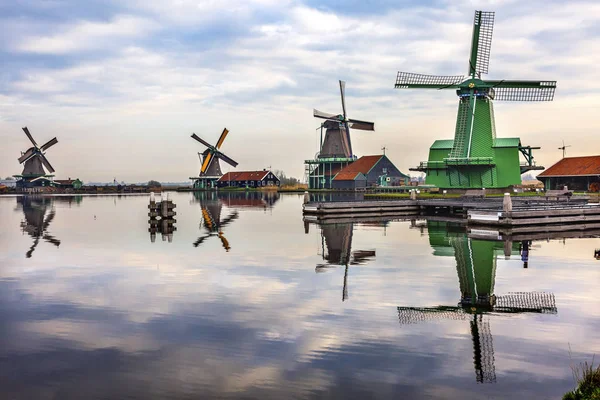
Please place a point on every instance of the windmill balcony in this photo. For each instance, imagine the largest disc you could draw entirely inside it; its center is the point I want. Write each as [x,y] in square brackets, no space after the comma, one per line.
[488,161]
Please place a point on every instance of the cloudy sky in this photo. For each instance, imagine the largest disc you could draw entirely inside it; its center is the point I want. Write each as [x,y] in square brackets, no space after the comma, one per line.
[124,84]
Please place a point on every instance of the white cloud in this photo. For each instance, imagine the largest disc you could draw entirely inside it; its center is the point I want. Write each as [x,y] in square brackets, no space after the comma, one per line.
[85,36]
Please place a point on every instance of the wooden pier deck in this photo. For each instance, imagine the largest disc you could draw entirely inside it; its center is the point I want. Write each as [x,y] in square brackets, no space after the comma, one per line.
[523,212]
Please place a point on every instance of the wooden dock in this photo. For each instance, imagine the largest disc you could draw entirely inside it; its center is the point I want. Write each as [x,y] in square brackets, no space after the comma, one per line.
[521,214]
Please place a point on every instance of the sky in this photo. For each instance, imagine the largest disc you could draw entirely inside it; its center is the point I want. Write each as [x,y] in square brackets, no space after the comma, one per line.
[123,84]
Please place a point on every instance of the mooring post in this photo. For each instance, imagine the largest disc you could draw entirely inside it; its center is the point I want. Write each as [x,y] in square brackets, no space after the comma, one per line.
[306,197]
[507,203]
[507,249]
[413,194]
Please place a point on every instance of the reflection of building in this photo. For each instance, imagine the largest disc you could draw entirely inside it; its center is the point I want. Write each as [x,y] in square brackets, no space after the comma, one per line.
[39,213]
[336,249]
[476,269]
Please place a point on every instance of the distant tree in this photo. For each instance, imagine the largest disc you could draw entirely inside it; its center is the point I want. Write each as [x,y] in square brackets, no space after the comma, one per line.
[154,183]
[528,177]
[285,180]
[9,178]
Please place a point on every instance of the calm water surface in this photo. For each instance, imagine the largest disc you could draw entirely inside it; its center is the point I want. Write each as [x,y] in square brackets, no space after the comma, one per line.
[246,301]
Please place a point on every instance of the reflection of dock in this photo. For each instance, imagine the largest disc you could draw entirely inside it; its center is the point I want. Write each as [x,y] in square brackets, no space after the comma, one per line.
[476,270]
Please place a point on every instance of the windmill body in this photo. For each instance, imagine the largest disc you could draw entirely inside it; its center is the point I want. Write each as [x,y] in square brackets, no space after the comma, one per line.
[35,164]
[210,168]
[335,150]
[476,158]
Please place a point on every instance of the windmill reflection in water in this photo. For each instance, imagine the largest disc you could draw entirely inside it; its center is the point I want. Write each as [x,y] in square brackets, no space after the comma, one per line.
[39,213]
[336,249]
[476,268]
[212,223]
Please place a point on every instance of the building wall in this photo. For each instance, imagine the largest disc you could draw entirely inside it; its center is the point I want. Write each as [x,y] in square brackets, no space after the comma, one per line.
[358,183]
[392,172]
[578,183]
[508,169]
[269,181]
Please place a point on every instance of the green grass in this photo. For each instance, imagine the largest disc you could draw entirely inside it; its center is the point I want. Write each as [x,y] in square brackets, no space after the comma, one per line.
[587,377]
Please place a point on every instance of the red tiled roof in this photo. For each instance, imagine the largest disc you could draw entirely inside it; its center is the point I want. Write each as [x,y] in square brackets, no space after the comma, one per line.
[574,166]
[363,164]
[243,176]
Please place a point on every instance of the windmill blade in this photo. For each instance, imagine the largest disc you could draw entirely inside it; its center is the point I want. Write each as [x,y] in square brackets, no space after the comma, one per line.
[227,160]
[481,43]
[201,239]
[207,160]
[29,136]
[222,138]
[224,242]
[343,94]
[523,90]
[51,239]
[362,125]
[46,163]
[324,115]
[49,144]
[229,219]
[28,154]
[408,80]
[204,142]
[49,219]
[32,248]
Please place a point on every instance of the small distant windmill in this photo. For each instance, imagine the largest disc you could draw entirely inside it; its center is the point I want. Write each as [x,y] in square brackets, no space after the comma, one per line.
[475,158]
[564,148]
[34,160]
[337,136]
[210,170]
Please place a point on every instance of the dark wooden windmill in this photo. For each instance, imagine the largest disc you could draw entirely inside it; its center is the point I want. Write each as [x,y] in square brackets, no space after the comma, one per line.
[211,218]
[210,168]
[335,150]
[34,161]
[39,213]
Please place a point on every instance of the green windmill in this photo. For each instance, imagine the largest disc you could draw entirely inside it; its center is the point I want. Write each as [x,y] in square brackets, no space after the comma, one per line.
[476,158]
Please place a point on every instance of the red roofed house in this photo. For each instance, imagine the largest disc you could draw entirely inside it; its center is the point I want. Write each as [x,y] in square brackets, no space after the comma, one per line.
[577,173]
[249,179]
[369,171]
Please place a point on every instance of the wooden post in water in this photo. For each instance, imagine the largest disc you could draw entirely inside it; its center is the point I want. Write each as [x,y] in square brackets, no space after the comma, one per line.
[162,219]
[413,194]
[306,197]
[507,203]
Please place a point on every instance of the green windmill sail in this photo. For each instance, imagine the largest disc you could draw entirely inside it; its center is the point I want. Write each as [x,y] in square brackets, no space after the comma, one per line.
[475,158]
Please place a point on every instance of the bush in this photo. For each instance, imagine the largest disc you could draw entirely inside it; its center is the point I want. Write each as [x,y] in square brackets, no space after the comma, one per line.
[154,184]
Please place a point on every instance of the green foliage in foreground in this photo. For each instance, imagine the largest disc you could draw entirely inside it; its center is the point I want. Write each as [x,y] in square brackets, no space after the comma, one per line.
[588,382]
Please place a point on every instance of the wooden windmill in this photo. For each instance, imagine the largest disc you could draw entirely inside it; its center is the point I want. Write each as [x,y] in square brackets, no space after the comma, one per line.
[210,168]
[335,151]
[34,160]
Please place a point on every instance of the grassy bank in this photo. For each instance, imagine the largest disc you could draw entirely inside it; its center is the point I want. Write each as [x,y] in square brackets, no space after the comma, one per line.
[588,382]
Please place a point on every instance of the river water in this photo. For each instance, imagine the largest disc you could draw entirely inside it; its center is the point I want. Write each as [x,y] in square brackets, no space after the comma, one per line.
[244,300]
